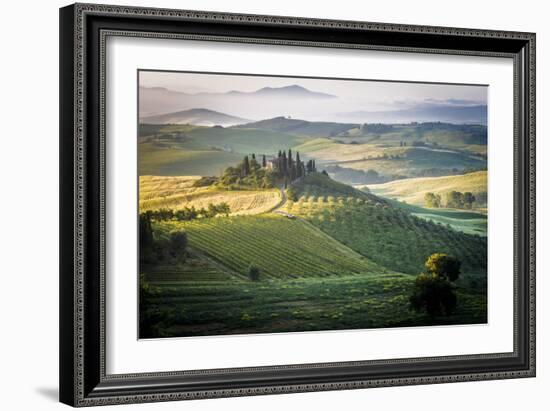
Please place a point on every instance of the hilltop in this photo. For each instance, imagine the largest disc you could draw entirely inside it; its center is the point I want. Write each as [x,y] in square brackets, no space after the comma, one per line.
[196,116]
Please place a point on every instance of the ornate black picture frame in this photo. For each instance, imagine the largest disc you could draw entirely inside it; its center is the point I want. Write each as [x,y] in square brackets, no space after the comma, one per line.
[83,31]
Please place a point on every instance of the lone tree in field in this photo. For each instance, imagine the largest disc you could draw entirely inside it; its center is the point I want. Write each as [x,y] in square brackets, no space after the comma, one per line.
[253,273]
[434,290]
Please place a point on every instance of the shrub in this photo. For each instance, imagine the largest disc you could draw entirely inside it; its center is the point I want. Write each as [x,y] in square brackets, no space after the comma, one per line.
[253,273]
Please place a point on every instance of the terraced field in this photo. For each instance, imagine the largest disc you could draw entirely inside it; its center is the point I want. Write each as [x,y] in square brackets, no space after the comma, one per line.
[177,192]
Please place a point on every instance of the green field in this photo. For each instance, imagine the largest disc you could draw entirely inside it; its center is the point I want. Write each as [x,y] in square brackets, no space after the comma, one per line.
[280,247]
[464,221]
[204,306]
[388,235]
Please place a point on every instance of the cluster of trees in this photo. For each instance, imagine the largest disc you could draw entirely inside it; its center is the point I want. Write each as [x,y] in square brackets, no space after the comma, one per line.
[384,156]
[354,176]
[434,290]
[249,172]
[456,199]
[289,168]
[187,213]
[453,199]
[170,249]
[376,128]
[264,173]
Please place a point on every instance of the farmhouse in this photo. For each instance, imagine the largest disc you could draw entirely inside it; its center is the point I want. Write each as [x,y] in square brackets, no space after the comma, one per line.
[271,164]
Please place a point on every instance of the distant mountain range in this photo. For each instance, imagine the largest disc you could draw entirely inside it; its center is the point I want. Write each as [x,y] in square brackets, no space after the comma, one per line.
[160,100]
[196,116]
[163,105]
[288,91]
[456,114]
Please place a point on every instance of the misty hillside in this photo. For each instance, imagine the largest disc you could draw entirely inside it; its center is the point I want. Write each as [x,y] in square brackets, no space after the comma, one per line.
[457,114]
[300,127]
[196,116]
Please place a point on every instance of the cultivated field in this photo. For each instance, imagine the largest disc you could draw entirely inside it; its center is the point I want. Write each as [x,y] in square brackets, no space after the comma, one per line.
[178,192]
[388,235]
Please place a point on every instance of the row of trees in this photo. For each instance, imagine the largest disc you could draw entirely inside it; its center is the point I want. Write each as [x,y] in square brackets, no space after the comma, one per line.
[187,213]
[290,168]
[453,199]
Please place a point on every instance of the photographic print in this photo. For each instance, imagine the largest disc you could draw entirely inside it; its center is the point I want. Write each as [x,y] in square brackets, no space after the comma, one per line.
[275,204]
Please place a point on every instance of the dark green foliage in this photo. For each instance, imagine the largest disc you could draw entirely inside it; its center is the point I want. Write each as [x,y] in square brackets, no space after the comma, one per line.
[434,291]
[177,245]
[434,295]
[253,273]
[443,266]
[247,174]
[205,181]
[186,213]
[246,167]
[150,317]
[292,193]
[456,199]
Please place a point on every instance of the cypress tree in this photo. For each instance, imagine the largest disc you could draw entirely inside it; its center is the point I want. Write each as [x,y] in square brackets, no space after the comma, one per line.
[289,158]
[246,166]
[263,161]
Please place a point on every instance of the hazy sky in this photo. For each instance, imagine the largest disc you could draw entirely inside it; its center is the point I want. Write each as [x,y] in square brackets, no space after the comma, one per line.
[370,90]
[353,95]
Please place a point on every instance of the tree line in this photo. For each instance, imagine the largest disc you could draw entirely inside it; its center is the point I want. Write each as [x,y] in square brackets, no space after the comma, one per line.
[187,213]
[453,199]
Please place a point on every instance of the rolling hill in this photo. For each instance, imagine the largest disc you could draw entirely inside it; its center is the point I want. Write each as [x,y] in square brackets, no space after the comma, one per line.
[195,116]
[388,235]
[412,190]
[300,127]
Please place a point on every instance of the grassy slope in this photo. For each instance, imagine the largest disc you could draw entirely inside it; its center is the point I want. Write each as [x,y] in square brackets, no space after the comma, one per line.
[385,234]
[413,190]
[214,307]
[280,247]
[203,150]
[464,221]
[177,192]
[301,127]
[365,156]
